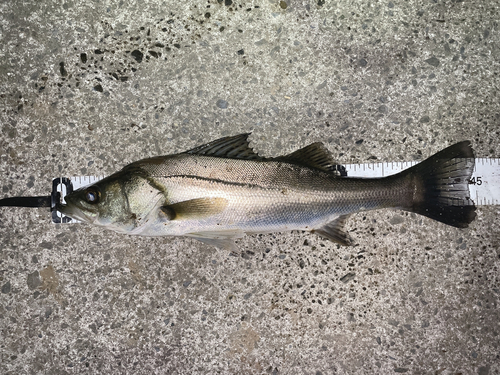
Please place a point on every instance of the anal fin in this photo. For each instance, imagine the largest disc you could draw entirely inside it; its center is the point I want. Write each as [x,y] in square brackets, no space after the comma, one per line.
[335,232]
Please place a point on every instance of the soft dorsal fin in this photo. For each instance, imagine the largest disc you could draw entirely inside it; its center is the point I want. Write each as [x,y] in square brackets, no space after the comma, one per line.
[315,155]
[235,147]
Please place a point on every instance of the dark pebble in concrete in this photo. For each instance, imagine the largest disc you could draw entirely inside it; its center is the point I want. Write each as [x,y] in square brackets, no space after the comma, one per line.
[222,104]
[137,55]
[6,288]
[432,61]
[34,280]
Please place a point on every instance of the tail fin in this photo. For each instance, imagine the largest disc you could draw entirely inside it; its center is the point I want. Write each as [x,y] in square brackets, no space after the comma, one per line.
[442,186]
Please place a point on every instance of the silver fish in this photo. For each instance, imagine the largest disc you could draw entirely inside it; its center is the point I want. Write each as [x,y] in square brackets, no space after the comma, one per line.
[222,190]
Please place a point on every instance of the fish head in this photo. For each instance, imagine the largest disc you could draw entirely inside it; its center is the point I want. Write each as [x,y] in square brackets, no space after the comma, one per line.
[120,202]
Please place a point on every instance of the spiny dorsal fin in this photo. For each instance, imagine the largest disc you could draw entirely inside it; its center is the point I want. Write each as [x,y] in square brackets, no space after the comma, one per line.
[235,147]
[335,232]
[315,155]
[198,208]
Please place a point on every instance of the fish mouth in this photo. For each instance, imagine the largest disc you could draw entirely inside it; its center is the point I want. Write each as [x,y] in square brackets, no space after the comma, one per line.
[73,212]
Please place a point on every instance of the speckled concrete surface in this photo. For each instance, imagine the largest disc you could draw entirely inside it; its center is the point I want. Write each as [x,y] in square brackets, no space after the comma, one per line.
[89,86]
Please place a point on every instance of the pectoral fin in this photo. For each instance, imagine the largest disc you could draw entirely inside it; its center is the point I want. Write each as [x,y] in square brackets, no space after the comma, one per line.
[335,232]
[193,209]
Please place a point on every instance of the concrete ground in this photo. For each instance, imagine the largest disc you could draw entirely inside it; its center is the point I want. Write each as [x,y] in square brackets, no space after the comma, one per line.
[89,86]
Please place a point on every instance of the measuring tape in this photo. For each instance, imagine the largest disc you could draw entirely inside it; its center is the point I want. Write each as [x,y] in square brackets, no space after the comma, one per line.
[484,184]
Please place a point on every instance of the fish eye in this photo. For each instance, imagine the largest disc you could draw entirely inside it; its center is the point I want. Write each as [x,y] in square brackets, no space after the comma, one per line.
[92,195]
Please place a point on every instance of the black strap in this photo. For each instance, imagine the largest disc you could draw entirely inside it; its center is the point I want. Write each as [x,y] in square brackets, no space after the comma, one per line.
[44,201]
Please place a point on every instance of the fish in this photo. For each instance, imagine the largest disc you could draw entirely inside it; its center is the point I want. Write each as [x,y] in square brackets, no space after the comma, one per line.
[223,190]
